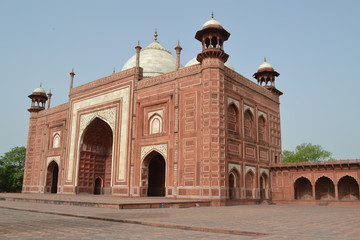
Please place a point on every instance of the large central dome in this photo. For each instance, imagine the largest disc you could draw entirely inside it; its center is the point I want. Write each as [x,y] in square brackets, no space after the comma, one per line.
[154,59]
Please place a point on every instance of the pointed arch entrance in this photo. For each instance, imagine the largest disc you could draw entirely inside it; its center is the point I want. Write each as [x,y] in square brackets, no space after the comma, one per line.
[153,174]
[264,186]
[249,184]
[348,188]
[52,174]
[303,189]
[234,178]
[324,189]
[96,158]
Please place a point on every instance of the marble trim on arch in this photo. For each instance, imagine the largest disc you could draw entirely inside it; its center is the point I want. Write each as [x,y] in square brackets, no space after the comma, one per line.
[260,113]
[235,102]
[53,158]
[250,168]
[235,166]
[161,148]
[264,170]
[246,107]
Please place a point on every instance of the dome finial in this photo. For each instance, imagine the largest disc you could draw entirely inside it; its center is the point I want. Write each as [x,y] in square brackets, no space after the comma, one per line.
[212,14]
[155,35]
[264,59]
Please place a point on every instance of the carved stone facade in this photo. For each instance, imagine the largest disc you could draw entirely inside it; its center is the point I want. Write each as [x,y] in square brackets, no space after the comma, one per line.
[190,133]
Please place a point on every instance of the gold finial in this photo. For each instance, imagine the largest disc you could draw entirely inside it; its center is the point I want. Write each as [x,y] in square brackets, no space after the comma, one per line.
[155,35]
[212,14]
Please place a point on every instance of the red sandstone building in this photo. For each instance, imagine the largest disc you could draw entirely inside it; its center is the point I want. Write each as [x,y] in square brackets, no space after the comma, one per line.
[202,131]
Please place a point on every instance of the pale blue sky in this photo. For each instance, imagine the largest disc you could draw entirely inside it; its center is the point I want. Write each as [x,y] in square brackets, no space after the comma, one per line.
[314,45]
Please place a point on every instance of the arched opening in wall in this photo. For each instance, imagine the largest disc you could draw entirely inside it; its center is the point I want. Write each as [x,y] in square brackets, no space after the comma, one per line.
[233,184]
[153,174]
[155,124]
[52,175]
[98,186]
[248,124]
[233,119]
[95,158]
[303,189]
[262,128]
[348,189]
[249,184]
[324,189]
[264,186]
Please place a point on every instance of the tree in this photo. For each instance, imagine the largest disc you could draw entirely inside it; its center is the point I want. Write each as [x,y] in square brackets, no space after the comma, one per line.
[306,152]
[12,170]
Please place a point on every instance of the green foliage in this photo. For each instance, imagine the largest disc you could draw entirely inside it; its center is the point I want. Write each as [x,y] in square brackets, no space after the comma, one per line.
[12,170]
[306,152]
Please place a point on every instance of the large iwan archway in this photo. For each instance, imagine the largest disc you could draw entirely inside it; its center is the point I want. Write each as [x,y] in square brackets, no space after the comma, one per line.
[95,158]
[153,174]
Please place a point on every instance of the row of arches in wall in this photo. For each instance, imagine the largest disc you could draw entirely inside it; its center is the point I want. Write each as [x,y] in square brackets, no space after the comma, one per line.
[347,188]
[250,190]
[233,124]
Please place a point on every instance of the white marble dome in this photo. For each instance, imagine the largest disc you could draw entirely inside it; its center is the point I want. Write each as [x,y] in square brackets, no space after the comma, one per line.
[39,90]
[265,66]
[194,61]
[212,21]
[154,59]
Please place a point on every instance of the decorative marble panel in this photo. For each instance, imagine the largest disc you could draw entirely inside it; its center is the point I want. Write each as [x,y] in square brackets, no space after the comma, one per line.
[233,101]
[53,158]
[246,107]
[235,166]
[250,168]
[161,148]
[264,170]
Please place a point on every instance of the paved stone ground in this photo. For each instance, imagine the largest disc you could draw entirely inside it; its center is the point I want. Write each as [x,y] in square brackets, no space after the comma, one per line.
[23,220]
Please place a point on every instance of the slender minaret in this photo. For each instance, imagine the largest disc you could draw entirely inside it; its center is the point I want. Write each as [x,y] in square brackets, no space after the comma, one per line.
[72,74]
[49,98]
[178,49]
[137,64]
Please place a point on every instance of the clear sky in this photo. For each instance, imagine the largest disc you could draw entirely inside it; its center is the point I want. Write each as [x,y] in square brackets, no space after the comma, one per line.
[314,45]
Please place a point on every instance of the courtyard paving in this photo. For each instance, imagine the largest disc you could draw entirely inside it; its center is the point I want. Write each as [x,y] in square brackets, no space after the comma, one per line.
[26,220]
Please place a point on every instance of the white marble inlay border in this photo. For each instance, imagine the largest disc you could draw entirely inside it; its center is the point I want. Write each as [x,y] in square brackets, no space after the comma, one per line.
[121,94]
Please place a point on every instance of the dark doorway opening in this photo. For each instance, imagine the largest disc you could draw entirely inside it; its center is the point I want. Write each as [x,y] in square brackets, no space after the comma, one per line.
[348,188]
[98,185]
[303,189]
[156,179]
[324,189]
[232,185]
[52,178]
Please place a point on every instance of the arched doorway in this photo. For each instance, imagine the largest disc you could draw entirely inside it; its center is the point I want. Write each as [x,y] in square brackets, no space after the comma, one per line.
[95,158]
[249,184]
[153,174]
[348,188]
[98,186]
[324,189]
[263,186]
[233,184]
[52,174]
[303,189]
